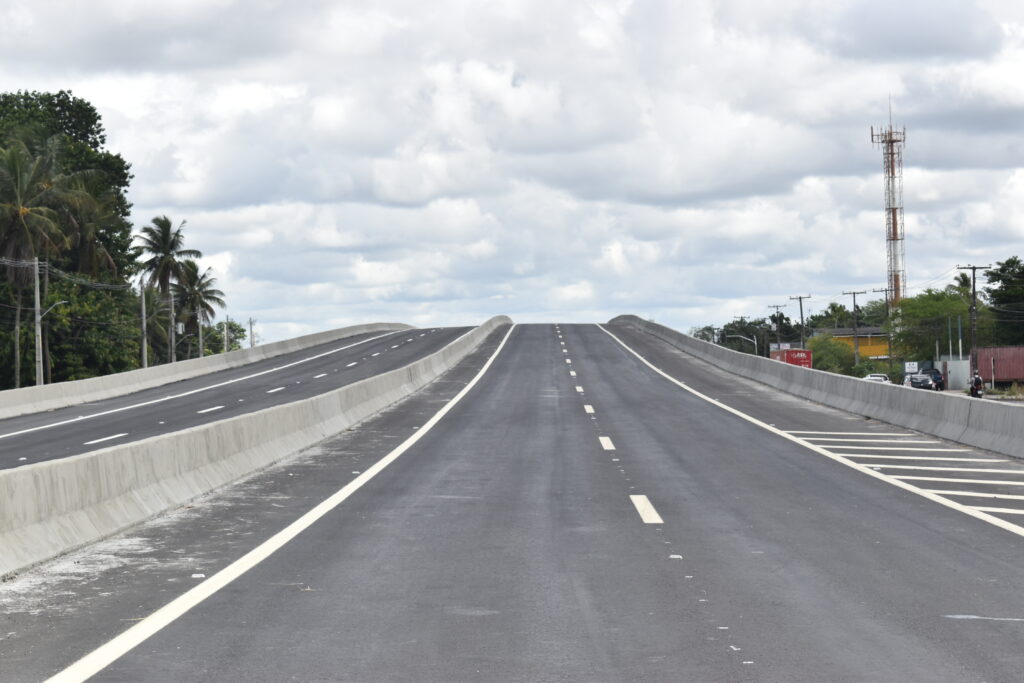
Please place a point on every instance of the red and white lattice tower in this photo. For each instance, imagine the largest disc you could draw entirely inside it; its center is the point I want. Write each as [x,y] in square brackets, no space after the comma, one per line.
[892,141]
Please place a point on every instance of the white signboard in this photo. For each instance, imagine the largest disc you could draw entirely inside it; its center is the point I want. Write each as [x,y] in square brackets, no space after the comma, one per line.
[910,367]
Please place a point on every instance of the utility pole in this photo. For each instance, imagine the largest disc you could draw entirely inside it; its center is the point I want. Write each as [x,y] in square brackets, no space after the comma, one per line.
[142,298]
[856,341]
[39,326]
[974,314]
[173,325]
[888,317]
[252,339]
[801,300]
[778,326]
[227,342]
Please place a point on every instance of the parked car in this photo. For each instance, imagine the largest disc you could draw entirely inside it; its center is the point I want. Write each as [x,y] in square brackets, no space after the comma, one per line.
[936,376]
[922,381]
[879,377]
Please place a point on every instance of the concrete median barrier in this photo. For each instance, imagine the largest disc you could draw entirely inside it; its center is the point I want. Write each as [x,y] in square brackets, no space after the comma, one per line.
[983,424]
[49,508]
[34,399]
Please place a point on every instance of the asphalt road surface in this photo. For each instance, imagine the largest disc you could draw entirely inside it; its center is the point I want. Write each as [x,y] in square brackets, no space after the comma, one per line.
[172,407]
[574,516]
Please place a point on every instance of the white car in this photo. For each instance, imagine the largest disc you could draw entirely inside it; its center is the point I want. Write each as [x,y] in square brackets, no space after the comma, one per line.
[879,377]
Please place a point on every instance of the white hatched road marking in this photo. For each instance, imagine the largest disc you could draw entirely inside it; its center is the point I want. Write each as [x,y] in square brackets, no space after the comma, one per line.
[822,438]
[106,438]
[898,481]
[1005,511]
[647,512]
[978,494]
[929,458]
[606,443]
[945,469]
[900,448]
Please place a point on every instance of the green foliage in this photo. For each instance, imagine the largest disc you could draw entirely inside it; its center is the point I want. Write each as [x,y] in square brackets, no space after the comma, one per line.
[925,319]
[214,335]
[1006,300]
[831,355]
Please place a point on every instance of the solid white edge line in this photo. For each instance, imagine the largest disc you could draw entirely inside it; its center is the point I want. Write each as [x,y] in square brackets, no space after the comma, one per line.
[193,391]
[647,512]
[111,651]
[106,438]
[967,510]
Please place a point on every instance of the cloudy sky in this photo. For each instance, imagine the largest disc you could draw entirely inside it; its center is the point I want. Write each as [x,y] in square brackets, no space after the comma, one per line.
[438,163]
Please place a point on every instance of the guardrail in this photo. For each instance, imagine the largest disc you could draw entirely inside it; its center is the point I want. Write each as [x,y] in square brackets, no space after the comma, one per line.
[14,402]
[50,508]
[983,424]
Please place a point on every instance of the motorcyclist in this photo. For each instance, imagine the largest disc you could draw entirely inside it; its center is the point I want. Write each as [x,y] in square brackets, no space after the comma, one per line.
[977,385]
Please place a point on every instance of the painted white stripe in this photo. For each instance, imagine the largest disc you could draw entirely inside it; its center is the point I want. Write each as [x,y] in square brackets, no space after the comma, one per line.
[589,409]
[273,391]
[848,433]
[579,390]
[893,480]
[322,374]
[976,494]
[822,438]
[353,363]
[606,443]
[395,346]
[106,654]
[565,350]
[900,448]
[928,458]
[647,512]
[946,469]
[1005,511]
[208,410]
[568,360]
[997,482]
[191,392]
[572,373]
[374,355]
[106,438]
[562,343]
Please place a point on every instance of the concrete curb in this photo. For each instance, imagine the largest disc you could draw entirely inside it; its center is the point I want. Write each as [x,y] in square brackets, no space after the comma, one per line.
[50,508]
[982,424]
[14,402]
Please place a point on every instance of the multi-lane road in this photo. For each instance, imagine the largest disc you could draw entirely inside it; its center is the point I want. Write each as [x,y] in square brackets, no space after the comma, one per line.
[591,505]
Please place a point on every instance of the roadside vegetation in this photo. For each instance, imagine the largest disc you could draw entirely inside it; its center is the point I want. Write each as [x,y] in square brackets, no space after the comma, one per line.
[64,202]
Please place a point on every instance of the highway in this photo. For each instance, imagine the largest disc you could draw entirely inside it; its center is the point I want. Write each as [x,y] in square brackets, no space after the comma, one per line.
[38,437]
[573,515]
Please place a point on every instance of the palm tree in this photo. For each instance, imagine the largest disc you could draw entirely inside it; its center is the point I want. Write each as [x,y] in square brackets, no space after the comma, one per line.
[34,195]
[165,246]
[197,295]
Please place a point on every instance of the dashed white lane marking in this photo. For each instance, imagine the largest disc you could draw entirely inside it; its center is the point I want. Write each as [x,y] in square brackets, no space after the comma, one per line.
[562,343]
[353,363]
[112,650]
[191,391]
[106,438]
[395,346]
[975,616]
[647,512]
[565,350]
[572,373]
[902,482]
[274,391]
[208,410]
[568,360]
[579,390]
[589,409]
[606,443]
[322,374]
[374,355]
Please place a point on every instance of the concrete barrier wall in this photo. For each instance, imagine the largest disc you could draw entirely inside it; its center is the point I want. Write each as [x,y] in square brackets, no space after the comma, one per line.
[984,424]
[52,507]
[33,399]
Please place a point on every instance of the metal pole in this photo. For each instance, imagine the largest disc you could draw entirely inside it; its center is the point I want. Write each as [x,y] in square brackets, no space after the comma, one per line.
[145,337]
[39,326]
[974,314]
[173,326]
[252,339]
[803,345]
[226,343]
[856,340]
[960,337]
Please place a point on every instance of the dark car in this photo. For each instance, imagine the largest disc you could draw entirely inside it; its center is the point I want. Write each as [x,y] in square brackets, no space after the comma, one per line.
[922,381]
[936,376]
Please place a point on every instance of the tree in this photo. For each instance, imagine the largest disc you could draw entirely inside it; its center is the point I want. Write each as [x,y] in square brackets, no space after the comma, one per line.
[830,355]
[165,246]
[1005,293]
[197,295]
[834,316]
[924,320]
